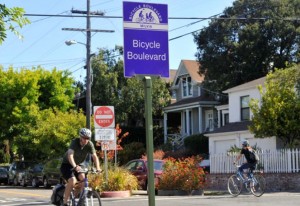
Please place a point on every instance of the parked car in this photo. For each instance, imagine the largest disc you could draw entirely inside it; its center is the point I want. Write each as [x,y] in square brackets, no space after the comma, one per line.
[205,164]
[5,167]
[3,175]
[51,173]
[138,168]
[33,176]
[16,171]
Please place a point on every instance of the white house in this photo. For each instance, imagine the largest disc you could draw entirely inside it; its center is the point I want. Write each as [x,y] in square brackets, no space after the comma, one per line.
[234,119]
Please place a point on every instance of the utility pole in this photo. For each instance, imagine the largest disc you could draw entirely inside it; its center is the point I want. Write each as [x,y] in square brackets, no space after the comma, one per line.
[88,67]
[88,56]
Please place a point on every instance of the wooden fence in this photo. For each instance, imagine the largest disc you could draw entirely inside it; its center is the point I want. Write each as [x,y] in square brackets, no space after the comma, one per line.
[278,161]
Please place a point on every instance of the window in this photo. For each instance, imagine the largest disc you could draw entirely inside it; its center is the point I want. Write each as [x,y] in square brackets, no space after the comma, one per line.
[186,86]
[245,110]
[226,119]
[173,94]
[209,118]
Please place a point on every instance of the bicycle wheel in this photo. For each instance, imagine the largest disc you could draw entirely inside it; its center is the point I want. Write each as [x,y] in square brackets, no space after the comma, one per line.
[257,185]
[234,185]
[93,198]
[72,201]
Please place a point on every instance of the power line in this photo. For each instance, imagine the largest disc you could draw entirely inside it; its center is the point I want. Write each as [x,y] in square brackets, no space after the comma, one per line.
[172,18]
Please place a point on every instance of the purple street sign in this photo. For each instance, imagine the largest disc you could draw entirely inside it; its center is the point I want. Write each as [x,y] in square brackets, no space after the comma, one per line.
[146,41]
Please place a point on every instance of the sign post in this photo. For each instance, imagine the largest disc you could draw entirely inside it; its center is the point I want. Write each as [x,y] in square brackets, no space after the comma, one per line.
[146,53]
[104,118]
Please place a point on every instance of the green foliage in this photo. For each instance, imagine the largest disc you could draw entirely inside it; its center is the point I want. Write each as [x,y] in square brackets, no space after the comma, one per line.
[196,144]
[34,101]
[10,19]
[110,87]
[233,51]
[278,113]
[119,179]
[131,151]
[136,134]
[234,149]
[51,135]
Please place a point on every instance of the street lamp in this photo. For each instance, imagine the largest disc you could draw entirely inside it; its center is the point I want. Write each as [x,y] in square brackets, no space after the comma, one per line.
[88,81]
[71,42]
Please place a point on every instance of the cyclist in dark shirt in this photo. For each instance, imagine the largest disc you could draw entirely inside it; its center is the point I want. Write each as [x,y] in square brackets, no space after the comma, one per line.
[250,162]
[74,158]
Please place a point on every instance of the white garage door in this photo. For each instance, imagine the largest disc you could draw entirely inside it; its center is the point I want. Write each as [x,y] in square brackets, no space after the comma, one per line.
[222,146]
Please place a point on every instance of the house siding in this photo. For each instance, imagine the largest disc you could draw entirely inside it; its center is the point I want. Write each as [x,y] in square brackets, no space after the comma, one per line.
[195,118]
[235,103]
[221,143]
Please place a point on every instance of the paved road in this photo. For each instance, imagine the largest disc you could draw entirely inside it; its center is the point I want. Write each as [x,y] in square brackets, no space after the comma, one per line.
[10,196]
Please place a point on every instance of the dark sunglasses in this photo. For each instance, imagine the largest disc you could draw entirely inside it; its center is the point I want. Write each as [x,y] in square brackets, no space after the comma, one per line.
[87,138]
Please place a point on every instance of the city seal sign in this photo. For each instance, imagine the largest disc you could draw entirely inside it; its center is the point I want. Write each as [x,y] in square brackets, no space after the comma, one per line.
[146,44]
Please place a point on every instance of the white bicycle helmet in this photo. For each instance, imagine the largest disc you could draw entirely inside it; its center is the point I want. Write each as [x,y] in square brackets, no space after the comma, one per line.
[84,132]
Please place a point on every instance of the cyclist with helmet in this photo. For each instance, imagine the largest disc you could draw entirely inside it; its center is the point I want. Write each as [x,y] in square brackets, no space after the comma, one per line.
[247,151]
[74,158]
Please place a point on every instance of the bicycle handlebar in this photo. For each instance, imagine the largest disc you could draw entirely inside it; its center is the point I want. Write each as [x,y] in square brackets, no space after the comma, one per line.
[85,170]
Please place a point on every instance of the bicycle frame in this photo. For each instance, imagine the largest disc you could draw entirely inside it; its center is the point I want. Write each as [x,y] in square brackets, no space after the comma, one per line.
[86,195]
[254,183]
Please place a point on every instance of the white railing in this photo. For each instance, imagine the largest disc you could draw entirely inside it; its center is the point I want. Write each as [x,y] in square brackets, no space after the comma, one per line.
[176,140]
[278,161]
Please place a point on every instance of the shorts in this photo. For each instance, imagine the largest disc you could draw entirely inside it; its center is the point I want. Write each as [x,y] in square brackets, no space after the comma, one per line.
[68,172]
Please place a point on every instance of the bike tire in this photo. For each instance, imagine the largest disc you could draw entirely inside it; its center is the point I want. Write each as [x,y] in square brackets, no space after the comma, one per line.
[72,201]
[257,185]
[234,185]
[93,198]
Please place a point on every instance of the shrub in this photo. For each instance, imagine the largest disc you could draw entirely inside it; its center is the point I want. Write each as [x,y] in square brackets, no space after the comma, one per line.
[183,174]
[196,144]
[131,151]
[119,179]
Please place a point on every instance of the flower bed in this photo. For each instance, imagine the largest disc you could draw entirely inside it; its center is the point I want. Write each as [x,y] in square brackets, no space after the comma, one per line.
[183,175]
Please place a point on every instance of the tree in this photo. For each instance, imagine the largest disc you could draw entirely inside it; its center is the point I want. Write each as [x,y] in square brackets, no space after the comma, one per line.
[250,39]
[278,113]
[25,94]
[51,134]
[9,17]
[110,87]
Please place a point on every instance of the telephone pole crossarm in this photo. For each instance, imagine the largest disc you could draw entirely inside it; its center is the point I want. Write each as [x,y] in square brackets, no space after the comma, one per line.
[91,30]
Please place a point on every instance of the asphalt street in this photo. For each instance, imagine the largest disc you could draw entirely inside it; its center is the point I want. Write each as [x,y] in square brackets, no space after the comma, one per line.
[40,197]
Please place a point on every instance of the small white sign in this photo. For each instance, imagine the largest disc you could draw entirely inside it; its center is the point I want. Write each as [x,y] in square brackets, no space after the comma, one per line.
[105,134]
[108,145]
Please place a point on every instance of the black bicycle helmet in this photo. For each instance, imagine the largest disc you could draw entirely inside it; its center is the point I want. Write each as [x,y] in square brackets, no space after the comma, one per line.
[84,132]
[245,143]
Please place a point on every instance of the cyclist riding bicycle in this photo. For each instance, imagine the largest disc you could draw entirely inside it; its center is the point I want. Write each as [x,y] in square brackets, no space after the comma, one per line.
[74,158]
[248,152]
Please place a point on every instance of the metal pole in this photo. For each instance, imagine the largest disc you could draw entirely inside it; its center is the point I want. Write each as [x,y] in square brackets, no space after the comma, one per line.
[149,139]
[88,67]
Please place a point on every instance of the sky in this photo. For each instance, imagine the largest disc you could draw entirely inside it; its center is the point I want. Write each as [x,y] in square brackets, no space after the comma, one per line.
[44,40]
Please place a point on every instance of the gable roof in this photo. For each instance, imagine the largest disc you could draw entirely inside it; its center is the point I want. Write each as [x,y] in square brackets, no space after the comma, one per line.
[192,68]
[248,85]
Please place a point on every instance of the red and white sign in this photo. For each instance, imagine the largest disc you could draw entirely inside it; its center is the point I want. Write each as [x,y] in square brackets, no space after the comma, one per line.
[104,117]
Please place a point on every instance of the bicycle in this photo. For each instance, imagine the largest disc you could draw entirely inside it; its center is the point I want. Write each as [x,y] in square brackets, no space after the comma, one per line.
[254,183]
[88,196]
